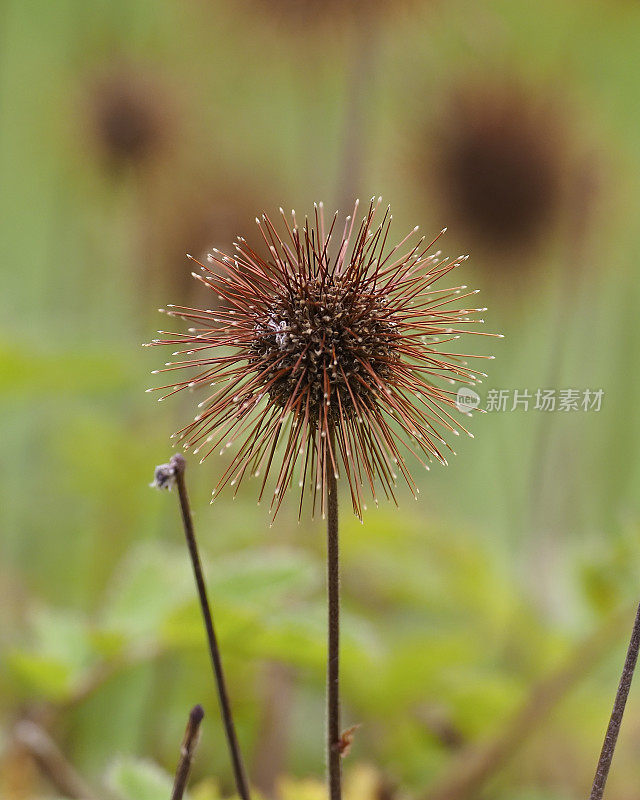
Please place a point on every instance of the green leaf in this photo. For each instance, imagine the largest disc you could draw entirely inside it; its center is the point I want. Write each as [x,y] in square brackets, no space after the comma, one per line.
[39,675]
[134,779]
[153,581]
[58,655]
[264,576]
[154,594]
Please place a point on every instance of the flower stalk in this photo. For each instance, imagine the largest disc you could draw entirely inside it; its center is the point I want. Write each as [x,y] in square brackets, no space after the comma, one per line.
[330,350]
[334,757]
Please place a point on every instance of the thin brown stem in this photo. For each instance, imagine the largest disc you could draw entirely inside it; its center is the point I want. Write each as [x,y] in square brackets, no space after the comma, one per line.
[613,729]
[60,772]
[177,467]
[333,650]
[187,749]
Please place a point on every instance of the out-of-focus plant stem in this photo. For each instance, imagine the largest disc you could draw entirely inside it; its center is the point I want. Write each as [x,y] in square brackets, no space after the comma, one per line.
[51,760]
[477,764]
[274,733]
[574,276]
[361,72]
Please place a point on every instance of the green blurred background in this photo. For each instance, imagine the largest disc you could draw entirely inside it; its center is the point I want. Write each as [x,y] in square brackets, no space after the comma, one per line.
[485,625]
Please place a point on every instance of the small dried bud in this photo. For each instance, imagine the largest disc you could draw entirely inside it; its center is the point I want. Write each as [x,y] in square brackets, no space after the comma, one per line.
[164,477]
[346,740]
[165,474]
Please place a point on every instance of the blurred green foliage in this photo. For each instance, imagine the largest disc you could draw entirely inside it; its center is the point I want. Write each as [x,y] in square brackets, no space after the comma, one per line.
[456,607]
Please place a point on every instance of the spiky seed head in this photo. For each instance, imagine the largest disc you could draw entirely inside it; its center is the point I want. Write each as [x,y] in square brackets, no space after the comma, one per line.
[331,348]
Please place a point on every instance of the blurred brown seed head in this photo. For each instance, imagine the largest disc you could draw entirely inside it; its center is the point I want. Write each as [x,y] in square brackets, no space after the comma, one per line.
[498,163]
[308,12]
[194,220]
[129,117]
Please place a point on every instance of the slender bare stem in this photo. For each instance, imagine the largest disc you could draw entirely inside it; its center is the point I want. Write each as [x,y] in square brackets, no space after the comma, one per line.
[613,729]
[51,760]
[333,650]
[187,749]
[178,465]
